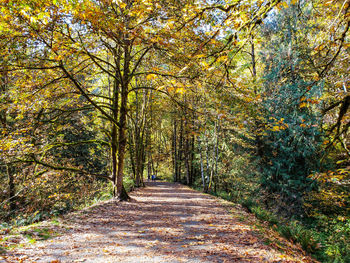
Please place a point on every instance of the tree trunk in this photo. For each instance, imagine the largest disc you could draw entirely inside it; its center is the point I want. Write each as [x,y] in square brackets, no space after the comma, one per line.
[121,193]
[202,169]
[253,63]
[192,173]
[208,174]
[114,137]
[187,159]
[175,151]
[114,158]
[132,155]
[180,152]
[257,124]
[11,187]
[3,121]
[216,156]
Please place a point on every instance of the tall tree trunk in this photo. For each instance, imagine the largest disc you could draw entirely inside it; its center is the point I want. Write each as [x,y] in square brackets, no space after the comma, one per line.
[187,160]
[215,179]
[121,193]
[208,174]
[149,149]
[11,188]
[114,159]
[132,154]
[148,169]
[192,173]
[3,122]
[142,166]
[202,169]
[180,151]
[175,162]
[114,130]
[253,62]
[114,136]
[257,124]
[138,141]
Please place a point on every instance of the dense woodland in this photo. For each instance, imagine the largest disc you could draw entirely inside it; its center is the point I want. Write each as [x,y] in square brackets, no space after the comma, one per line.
[245,99]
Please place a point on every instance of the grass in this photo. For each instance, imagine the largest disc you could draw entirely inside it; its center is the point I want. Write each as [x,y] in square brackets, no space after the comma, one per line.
[17,236]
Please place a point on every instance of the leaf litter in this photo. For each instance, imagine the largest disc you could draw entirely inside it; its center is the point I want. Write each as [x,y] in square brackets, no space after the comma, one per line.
[164,222]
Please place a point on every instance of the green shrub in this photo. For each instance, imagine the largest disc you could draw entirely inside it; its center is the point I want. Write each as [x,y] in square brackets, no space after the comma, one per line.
[248,203]
[285,231]
[128,183]
[337,240]
[265,215]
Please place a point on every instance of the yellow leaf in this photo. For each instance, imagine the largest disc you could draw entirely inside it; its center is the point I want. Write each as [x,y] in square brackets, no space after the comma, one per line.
[150,76]
[316,77]
[222,58]
[180,90]
[205,65]
[303,105]
[200,56]
[122,5]
[284,4]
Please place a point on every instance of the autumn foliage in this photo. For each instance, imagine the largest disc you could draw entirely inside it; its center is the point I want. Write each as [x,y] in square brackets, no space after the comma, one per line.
[244,99]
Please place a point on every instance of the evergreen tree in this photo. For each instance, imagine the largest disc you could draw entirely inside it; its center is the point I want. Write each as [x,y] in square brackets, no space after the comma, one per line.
[291,138]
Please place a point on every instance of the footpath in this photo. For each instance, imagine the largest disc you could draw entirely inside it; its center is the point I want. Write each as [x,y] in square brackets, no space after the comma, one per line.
[164,222]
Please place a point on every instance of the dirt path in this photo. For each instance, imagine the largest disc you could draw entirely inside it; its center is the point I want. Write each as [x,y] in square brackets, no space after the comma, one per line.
[164,223]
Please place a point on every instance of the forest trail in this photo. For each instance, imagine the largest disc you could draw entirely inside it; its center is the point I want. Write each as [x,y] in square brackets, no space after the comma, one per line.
[164,222]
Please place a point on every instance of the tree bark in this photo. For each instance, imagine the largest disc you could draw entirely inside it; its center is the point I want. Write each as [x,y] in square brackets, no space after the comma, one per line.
[121,193]
[217,130]
[3,121]
[187,162]
[202,169]
[209,174]
[114,136]
[175,162]
[11,188]
[180,152]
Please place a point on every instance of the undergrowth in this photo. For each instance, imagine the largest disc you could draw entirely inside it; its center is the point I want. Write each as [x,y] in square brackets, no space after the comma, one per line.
[327,239]
[98,192]
[29,226]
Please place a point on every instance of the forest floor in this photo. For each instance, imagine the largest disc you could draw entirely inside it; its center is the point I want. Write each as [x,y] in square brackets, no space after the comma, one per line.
[164,222]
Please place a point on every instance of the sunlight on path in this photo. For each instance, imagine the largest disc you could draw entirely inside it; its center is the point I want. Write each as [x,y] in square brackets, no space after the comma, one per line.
[164,223]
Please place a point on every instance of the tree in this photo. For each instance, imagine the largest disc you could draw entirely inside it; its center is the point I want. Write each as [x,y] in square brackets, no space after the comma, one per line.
[292,138]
